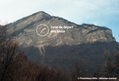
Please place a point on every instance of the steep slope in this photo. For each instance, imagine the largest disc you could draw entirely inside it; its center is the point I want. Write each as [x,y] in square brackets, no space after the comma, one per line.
[90,55]
[26,31]
[85,42]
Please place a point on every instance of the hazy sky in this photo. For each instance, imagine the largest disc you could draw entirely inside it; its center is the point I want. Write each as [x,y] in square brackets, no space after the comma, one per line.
[98,12]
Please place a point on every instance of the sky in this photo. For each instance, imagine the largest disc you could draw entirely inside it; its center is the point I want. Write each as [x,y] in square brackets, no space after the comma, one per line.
[97,12]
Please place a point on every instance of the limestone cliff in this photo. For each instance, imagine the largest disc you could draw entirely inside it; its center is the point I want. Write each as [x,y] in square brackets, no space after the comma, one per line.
[25,29]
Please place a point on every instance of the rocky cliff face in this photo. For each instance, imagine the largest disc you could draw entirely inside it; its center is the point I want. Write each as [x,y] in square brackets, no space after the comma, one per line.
[25,29]
[81,43]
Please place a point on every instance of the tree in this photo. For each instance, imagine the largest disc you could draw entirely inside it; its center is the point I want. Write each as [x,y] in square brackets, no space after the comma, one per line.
[116,62]
[111,67]
[8,52]
[79,70]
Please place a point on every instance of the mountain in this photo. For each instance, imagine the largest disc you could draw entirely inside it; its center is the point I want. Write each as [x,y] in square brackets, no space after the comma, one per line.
[74,43]
[25,29]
